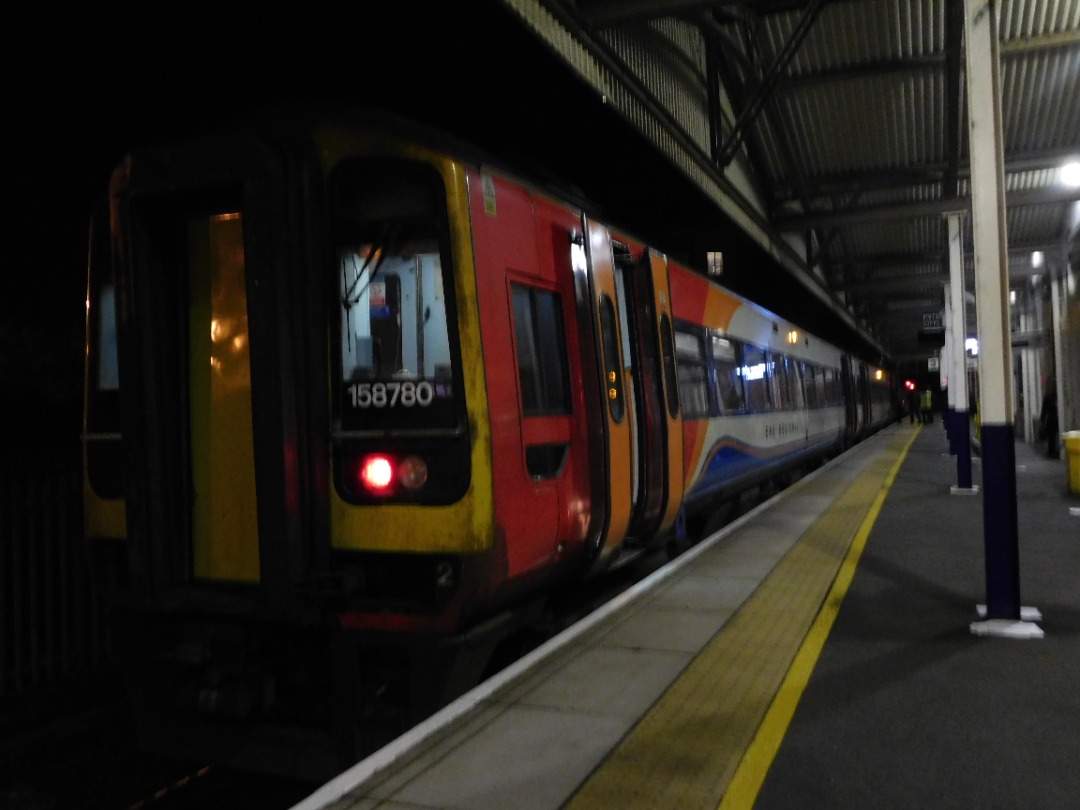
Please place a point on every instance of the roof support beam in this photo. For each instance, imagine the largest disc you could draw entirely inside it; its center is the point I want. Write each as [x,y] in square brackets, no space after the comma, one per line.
[769,83]
[921,209]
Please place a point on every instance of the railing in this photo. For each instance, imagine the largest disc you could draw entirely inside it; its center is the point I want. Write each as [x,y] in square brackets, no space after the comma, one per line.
[51,627]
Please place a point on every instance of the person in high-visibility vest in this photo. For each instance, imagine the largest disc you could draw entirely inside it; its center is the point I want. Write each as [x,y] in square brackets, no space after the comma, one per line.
[927,407]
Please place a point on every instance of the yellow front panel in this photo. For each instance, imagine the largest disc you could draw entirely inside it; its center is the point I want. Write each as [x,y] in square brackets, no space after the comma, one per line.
[224,520]
[468,525]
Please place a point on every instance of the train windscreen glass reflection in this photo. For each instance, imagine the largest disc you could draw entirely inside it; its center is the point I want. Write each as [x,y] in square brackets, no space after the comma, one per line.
[396,356]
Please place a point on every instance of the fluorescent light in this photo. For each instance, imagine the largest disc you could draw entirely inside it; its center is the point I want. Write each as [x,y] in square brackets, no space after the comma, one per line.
[1070,174]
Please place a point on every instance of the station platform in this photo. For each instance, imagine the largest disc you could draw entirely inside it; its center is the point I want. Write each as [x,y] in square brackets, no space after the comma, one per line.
[820,651]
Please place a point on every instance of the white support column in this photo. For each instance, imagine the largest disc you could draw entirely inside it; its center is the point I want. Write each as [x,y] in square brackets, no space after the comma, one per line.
[1029,383]
[947,351]
[1003,615]
[956,309]
[988,212]
[958,372]
[1057,325]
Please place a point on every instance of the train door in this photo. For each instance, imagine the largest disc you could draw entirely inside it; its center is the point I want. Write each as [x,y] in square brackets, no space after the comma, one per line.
[656,434]
[225,526]
[620,441]
[862,388]
[203,376]
[633,323]
[208,408]
[851,405]
[632,374]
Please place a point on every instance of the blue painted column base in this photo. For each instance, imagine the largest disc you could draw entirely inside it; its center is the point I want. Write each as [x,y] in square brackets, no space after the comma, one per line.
[999,522]
[1002,616]
[962,433]
[948,417]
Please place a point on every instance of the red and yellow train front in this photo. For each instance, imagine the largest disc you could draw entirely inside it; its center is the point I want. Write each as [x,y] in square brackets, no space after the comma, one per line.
[450,374]
[411,514]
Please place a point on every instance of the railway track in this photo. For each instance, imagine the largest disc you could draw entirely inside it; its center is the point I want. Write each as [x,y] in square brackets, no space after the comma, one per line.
[87,759]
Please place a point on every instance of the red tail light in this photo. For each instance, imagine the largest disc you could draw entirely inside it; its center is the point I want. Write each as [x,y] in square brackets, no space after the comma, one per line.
[382,474]
[377,474]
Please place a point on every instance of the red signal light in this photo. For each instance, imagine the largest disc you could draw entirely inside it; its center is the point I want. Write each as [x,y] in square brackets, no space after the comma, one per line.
[909,385]
[377,474]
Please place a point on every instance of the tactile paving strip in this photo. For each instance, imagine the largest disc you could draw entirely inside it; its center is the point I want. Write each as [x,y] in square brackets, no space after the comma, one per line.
[685,751]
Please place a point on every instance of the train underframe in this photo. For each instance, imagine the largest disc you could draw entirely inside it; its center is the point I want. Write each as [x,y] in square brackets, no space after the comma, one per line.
[302,700]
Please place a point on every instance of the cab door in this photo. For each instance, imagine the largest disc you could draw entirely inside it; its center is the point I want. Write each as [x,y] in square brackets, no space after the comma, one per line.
[541,438]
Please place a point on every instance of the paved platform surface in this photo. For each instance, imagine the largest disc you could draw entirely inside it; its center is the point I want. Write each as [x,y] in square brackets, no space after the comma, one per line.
[819,652]
[906,707]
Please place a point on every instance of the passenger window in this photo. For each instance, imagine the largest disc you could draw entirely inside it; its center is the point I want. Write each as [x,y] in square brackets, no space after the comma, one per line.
[729,382]
[755,374]
[829,384]
[609,336]
[541,351]
[800,385]
[693,375]
[781,390]
[794,383]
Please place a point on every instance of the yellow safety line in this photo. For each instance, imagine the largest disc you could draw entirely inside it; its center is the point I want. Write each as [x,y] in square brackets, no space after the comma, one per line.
[744,786]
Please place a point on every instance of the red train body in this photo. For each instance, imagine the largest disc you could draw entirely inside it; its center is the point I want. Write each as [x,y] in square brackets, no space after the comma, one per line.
[357,400]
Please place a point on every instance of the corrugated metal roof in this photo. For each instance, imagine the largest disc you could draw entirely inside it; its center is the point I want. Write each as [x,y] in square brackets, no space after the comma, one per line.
[846,119]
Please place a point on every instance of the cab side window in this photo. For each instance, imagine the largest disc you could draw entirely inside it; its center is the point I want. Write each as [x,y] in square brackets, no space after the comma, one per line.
[541,351]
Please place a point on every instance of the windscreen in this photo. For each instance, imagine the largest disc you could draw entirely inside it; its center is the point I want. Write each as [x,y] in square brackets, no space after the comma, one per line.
[397,356]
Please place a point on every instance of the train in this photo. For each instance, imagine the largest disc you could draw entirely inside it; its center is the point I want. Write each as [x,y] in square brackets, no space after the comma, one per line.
[359,398]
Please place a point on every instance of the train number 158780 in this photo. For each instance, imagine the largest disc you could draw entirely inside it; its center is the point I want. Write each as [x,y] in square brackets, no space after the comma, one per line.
[391,394]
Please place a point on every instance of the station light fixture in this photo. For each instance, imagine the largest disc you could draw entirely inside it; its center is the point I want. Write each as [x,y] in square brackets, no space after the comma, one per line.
[1070,174]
